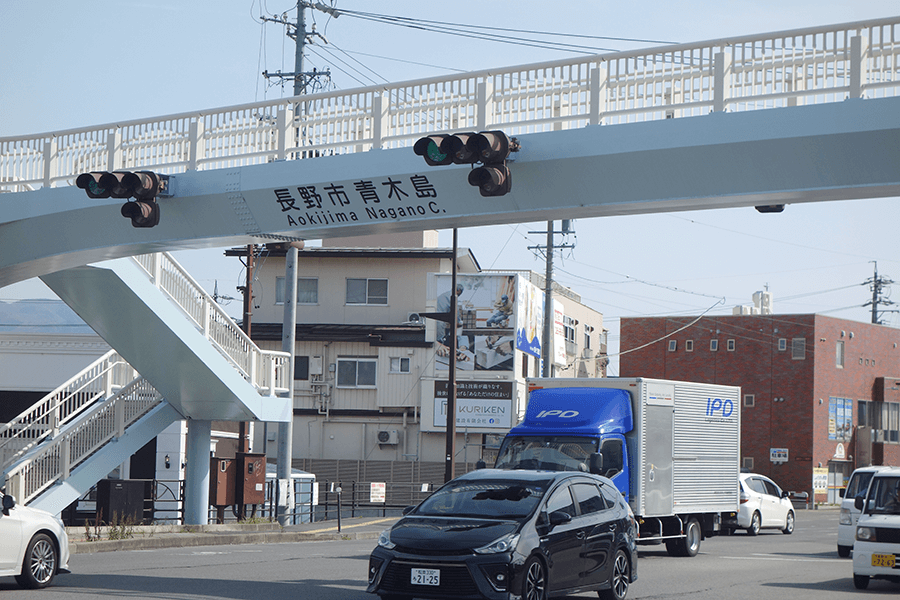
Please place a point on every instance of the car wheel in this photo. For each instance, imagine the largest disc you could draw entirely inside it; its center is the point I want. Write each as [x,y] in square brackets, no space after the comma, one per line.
[789,523]
[755,524]
[534,587]
[40,563]
[860,581]
[844,551]
[621,577]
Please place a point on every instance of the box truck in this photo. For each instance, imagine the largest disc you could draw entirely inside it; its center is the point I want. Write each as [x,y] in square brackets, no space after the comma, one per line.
[672,448]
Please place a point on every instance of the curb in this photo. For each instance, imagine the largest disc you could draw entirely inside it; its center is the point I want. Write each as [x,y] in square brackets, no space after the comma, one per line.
[217,535]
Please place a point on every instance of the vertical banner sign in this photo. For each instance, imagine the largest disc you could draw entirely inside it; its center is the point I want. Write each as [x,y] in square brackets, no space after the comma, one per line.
[560,359]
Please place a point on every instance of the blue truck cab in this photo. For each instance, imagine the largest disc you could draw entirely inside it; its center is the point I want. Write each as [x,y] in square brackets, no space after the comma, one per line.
[573,429]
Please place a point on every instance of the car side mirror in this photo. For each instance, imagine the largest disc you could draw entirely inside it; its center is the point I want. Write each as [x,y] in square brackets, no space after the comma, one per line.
[859,503]
[841,492]
[408,509]
[559,517]
[8,503]
[785,495]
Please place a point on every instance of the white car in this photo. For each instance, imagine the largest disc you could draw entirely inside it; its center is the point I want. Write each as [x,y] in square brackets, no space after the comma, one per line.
[856,488]
[763,505]
[34,545]
[878,531]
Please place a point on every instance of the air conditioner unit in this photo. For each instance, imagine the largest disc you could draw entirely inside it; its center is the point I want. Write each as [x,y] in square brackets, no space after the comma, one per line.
[389,436]
[414,318]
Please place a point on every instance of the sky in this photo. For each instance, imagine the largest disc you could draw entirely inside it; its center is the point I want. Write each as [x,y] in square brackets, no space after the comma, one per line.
[64,65]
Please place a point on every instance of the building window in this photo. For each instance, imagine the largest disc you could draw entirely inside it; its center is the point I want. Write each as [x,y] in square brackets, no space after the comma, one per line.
[356,372]
[307,290]
[782,344]
[730,345]
[748,463]
[399,365]
[569,328]
[749,400]
[839,354]
[587,336]
[713,345]
[689,346]
[798,348]
[673,345]
[301,368]
[367,291]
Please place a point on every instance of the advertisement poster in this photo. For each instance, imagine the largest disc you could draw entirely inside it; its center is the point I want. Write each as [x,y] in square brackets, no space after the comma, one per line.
[560,359]
[530,318]
[486,321]
[479,404]
[840,418]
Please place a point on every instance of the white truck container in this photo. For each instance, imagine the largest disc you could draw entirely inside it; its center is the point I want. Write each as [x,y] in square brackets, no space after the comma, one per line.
[671,447]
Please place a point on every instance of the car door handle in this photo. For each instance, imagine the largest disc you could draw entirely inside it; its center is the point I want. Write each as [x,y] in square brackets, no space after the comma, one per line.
[580,535]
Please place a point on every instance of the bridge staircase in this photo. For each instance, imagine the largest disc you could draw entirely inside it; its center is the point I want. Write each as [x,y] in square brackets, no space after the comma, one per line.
[175,355]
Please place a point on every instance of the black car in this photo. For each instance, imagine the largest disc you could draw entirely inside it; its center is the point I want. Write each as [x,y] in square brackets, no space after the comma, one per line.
[509,534]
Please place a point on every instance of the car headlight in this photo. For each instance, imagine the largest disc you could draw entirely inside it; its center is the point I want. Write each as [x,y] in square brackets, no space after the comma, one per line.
[846,519]
[503,544]
[866,534]
[384,540]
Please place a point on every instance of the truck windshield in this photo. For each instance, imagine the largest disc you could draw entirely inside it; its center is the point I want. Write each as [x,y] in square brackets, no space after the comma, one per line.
[548,453]
[884,497]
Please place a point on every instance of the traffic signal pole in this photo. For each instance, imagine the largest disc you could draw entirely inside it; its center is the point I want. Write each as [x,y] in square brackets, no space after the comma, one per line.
[449,462]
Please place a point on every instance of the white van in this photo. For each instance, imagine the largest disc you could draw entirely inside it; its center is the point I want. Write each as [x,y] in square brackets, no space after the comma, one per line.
[856,488]
[878,531]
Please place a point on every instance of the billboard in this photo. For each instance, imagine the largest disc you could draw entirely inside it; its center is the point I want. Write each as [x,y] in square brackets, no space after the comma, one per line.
[480,405]
[486,320]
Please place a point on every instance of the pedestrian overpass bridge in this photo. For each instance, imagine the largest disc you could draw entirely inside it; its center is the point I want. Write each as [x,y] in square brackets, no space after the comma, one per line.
[794,116]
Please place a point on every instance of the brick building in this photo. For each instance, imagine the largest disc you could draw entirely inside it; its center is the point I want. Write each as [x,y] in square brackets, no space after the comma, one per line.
[822,393]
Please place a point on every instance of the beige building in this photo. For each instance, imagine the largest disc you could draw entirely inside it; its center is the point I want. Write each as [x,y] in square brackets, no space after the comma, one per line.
[370,370]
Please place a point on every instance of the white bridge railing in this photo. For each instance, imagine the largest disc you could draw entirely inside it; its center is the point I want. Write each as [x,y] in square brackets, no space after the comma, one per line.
[267,370]
[787,68]
[100,425]
[97,381]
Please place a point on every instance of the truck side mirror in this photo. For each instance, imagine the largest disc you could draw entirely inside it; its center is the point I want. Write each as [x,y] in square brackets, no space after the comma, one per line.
[859,503]
[595,461]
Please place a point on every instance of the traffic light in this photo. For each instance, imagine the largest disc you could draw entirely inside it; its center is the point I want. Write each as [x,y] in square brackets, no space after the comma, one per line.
[490,148]
[143,186]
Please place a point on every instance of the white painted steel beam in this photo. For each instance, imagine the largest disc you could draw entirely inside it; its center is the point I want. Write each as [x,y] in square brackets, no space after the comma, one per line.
[838,151]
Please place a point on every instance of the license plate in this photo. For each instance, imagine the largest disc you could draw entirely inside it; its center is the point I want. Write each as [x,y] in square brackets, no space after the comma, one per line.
[427,576]
[883,560]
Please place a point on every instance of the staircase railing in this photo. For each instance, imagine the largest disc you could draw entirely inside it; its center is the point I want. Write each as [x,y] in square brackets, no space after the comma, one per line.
[44,419]
[57,457]
[267,370]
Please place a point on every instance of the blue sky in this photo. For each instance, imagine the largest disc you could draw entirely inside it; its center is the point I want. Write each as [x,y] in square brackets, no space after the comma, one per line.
[73,64]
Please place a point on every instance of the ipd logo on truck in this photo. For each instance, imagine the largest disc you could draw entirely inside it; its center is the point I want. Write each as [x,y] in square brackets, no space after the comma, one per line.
[717,407]
[562,414]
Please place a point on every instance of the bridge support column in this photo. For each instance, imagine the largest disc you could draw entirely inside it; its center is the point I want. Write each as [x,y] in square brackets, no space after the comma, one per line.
[196,493]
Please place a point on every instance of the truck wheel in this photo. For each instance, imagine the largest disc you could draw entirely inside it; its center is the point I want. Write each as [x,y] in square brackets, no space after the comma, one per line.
[755,524]
[621,577]
[789,523]
[40,563]
[692,537]
[844,551]
[534,587]
[860,581]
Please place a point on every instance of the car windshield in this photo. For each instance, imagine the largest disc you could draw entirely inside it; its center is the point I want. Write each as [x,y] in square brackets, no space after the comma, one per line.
[501,499]
[858,485]
[550,453]
[884,497]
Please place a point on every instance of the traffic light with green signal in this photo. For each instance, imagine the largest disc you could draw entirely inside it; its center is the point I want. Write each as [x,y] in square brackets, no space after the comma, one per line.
[489,148]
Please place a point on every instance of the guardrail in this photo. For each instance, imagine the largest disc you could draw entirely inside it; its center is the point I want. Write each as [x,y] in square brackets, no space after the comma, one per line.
[267,370]
[804,66]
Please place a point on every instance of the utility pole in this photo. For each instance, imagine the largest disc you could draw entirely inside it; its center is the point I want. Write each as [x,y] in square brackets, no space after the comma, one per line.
[877,286]
[302,80]
[546,354]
